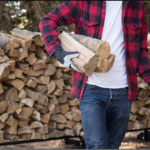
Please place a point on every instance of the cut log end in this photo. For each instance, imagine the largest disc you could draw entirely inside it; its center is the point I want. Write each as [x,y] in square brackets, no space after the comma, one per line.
[104,65]
[103,50]
[89,69]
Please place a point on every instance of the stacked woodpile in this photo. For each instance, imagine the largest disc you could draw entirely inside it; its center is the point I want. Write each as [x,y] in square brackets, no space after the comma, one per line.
[140,108]
[35,101]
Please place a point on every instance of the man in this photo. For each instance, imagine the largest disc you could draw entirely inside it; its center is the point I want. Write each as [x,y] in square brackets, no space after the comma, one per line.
[105,98]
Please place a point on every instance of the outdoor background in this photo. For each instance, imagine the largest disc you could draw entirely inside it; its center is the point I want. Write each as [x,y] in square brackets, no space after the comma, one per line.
[27,14]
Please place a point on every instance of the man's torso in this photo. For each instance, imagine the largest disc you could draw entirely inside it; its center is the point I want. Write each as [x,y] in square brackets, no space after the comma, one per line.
[90,22]
[116,77]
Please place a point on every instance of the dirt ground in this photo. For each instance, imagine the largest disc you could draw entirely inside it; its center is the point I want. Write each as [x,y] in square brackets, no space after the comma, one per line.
[130,142]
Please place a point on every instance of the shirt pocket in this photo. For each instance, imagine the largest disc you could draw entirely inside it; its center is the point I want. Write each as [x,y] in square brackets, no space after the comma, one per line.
[89,26]
[134,28]
[133,32]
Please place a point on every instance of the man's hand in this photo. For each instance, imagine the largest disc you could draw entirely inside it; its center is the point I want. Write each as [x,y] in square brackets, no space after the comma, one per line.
[65,58]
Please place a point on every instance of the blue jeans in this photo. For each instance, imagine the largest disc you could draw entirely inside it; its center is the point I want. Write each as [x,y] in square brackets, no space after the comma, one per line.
[105,114]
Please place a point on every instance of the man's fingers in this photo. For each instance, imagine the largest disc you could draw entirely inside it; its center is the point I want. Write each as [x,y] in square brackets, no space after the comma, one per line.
[67,59]
[70,56]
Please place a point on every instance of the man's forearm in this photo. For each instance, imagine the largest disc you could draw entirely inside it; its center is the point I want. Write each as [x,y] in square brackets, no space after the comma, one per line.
[61,15]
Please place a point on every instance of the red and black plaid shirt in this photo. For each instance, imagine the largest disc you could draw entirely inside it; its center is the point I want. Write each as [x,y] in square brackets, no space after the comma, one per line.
[88,17]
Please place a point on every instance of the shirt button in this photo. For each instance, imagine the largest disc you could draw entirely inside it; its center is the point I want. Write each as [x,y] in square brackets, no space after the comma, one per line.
[103,12]
[101,25]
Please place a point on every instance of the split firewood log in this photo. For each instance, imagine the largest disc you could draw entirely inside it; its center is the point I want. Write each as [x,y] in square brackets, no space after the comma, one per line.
[2,53]
[33,73]
[11,129]
[12,64]
[4,59]
[137,125]
[77,128]
[23,122]
[12,106]
[35,135]
[4,117]
[7,43]
[53,133]
[41,54]
[49,70]
[43,129]
[39,42]
[41,89]
[101,48]
[58,118]
[31,59]
[3,106]
[10,120]
[142,94]
[22,42]
[17,83]
[11,137]
[25,34]
[130,125]
[4,70]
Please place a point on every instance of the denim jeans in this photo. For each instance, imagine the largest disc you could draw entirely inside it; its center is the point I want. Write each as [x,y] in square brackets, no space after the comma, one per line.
[105,114]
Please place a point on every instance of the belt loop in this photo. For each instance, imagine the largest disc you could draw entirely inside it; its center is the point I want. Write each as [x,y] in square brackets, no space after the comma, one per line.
[110,92]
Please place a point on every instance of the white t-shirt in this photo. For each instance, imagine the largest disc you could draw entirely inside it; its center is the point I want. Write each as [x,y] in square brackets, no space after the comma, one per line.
[116,77]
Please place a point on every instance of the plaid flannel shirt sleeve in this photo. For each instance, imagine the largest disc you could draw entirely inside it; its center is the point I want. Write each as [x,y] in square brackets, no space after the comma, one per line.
[144,63]
[64,14]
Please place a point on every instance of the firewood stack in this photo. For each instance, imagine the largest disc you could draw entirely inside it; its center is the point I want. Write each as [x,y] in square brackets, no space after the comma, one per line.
[35,101]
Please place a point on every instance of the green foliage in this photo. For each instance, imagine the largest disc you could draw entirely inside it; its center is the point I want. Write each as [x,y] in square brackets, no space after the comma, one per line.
[6,87]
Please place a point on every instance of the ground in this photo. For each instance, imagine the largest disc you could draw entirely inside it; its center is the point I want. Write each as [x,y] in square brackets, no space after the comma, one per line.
[130,142]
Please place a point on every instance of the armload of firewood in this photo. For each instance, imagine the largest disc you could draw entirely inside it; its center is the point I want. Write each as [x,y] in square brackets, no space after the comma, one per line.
[35,101]
[94,54]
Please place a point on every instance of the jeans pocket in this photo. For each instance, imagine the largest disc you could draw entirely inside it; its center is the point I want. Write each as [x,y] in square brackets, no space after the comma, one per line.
[90,86]
[125,89]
